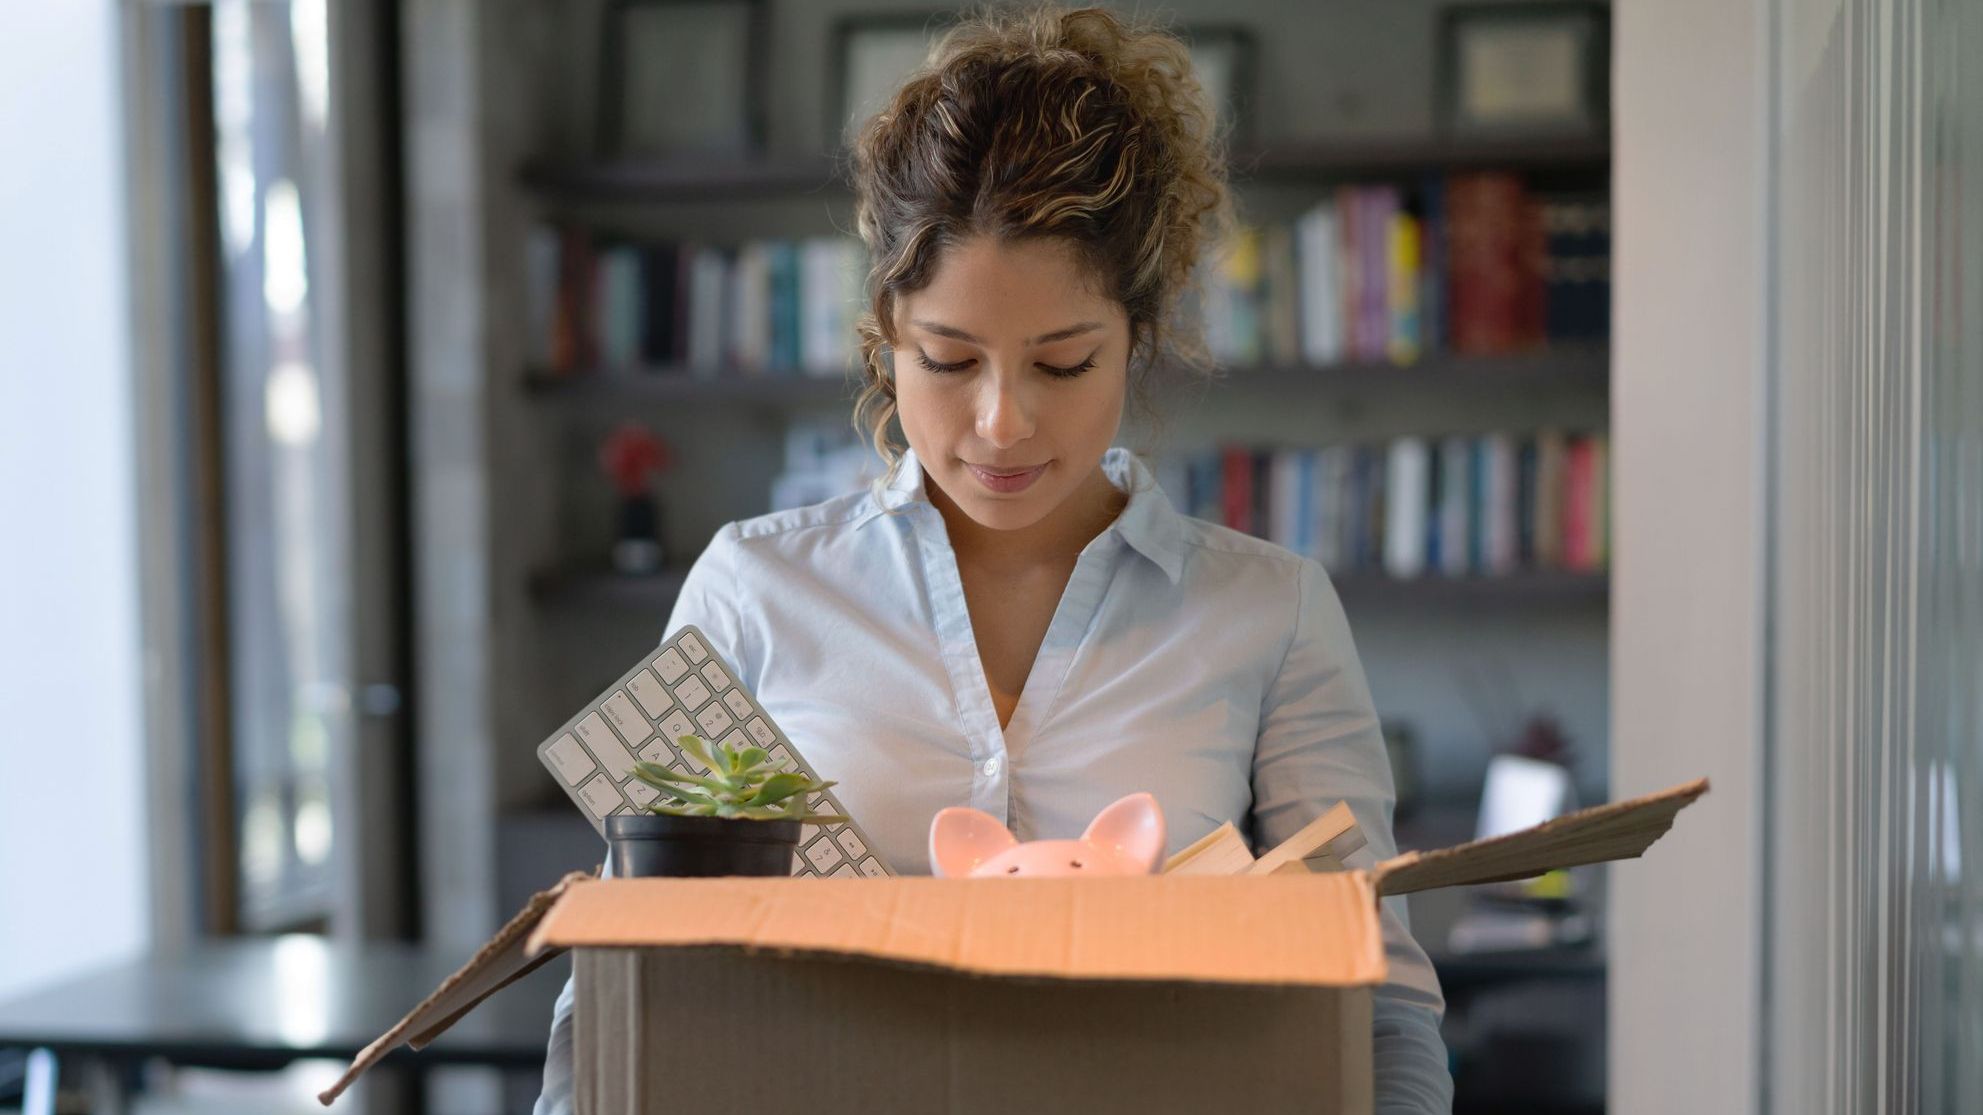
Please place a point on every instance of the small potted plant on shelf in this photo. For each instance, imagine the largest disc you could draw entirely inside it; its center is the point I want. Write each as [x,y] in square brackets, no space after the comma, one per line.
[632,456]
[741,818]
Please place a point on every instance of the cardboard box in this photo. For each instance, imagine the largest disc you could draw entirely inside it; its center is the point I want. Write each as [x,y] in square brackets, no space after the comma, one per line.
[1159,993]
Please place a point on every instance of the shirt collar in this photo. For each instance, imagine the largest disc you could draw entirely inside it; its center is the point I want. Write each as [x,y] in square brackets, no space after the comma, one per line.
[1148,522]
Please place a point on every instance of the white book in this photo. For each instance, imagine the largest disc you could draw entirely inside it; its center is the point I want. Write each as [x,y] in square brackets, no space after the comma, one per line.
[542,249]
[750,338]
[826,308]
[709,296]
[1406,480]
[1317,245]
[1455,503]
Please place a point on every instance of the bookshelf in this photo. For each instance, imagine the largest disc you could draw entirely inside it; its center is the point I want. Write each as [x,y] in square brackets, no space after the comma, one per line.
[1541,381]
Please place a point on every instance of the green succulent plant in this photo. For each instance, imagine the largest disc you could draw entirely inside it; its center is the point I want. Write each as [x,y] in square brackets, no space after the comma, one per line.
[747,784]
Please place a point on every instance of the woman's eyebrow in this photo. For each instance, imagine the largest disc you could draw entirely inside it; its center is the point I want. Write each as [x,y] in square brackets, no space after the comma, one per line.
[1044,338]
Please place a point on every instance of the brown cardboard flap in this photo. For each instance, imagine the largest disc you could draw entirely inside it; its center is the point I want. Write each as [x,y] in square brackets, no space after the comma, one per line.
[1620,830]
[497,964]
[1313,930]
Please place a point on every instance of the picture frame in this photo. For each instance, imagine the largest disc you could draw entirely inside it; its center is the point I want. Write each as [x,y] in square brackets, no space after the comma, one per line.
[870,58]
[1225,58]
[1510,69]
[682,78]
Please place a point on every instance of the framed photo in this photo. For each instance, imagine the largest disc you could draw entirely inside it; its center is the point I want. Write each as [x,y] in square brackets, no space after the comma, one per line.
[1223,57]
[1530,69]
[682,77]
[872,55]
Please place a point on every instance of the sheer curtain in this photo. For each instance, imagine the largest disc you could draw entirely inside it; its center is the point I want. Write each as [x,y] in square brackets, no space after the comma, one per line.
[1875,776]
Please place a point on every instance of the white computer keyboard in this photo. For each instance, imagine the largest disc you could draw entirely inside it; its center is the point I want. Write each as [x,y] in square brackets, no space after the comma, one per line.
[683,687]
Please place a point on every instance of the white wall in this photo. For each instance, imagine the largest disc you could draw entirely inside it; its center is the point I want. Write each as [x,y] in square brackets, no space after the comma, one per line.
[1687,636]
[72,879]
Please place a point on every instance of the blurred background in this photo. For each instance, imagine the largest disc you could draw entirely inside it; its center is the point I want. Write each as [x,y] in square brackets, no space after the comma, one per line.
[372,370]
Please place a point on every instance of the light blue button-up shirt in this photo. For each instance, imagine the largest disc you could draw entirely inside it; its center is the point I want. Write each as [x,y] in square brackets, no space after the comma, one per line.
[1210,668]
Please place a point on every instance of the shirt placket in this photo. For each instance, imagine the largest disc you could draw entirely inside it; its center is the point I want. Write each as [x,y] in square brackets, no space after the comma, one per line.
[991,747]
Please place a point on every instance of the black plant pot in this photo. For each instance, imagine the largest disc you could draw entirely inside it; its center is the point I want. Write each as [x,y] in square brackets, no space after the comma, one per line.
[650,844]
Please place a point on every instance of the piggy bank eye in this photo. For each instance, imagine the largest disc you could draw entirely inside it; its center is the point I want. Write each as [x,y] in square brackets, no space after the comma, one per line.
[1075,863]
[1013,870]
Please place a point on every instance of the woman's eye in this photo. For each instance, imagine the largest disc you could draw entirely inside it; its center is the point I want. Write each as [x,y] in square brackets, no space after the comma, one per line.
[933,366]
[1056,372]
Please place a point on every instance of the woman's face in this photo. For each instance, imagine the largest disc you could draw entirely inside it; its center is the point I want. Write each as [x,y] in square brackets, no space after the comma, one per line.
[1010,376]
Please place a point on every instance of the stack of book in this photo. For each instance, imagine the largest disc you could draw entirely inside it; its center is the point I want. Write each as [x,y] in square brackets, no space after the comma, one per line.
[1473,263]
[764,308]
[1455,506]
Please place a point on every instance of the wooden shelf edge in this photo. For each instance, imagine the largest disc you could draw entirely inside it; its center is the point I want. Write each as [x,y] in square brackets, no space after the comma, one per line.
[719,178]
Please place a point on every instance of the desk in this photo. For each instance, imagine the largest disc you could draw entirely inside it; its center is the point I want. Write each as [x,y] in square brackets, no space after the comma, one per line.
[261,1003]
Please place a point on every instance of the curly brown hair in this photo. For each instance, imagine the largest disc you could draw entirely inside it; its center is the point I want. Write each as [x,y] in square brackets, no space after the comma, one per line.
[1044,123]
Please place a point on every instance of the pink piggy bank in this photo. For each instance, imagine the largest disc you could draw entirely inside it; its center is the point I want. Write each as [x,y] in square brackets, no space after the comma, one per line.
[1127,838]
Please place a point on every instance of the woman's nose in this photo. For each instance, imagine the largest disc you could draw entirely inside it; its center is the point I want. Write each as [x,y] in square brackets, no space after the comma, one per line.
[1005,413]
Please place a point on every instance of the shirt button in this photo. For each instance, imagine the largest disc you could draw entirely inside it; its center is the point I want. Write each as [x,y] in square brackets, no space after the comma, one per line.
[991,767]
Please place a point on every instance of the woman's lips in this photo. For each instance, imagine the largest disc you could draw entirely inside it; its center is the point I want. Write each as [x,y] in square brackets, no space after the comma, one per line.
[1007,482]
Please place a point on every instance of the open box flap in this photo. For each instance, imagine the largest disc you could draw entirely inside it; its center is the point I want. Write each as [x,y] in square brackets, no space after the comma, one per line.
[497,964]
[1314,930]
[1620,830]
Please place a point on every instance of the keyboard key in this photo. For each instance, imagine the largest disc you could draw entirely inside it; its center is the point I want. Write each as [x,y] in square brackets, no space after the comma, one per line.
[605,747]
[845,871]
[872,867]
[671,665]
[850,841]
[736,740]
[822,854]
[626,719]
[715,720]
[658,751]
[738,704]
[642,794]
[783,755]
[693,647]
[712,672]
[761,732]
[692,693]
[571,761]
[600,796]
[675,725]
[647,689]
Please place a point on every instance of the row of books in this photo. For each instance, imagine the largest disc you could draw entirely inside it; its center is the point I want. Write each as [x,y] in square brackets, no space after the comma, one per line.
[1454,506]
[764,307]
[1473,263]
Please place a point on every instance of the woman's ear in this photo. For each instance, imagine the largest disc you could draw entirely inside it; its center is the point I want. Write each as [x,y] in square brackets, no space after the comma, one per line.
[1133,828]
[961,839]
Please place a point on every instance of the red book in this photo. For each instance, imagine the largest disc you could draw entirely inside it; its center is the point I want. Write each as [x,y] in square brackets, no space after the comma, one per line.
[1237,497]
[1486,217]
[1532,258]
[1579,495]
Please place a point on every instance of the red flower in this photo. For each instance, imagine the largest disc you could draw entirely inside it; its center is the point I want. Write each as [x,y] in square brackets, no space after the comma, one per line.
[632,454]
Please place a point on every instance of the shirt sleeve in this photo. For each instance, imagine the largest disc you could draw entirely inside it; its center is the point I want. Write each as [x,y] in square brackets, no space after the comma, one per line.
[1320,744]
[709,600]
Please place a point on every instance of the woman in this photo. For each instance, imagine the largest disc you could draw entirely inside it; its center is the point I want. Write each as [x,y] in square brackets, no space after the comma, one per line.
[1015,618]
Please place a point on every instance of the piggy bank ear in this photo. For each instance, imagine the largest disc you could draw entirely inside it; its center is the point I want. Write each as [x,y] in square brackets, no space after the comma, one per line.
[1133,827]
[961,839]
